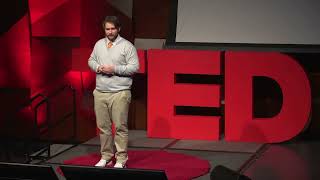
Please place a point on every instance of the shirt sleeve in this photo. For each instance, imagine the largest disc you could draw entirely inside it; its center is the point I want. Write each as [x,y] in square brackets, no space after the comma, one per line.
[132,60]
[93,60]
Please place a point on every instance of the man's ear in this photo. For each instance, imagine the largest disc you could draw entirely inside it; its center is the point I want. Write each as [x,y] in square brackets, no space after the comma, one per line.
[119,29]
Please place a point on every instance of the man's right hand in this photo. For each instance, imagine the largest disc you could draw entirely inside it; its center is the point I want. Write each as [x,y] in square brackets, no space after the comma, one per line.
[99,70]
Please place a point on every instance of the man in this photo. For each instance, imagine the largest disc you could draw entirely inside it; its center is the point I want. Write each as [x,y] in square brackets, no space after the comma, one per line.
[115,60]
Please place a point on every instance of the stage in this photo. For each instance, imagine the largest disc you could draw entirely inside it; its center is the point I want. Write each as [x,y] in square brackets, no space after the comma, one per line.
[296,159]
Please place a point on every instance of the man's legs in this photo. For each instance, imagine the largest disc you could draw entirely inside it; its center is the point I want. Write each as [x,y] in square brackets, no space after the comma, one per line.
[120,109]
[104,124]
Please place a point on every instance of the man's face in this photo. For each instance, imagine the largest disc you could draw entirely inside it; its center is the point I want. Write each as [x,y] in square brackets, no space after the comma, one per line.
[111,31]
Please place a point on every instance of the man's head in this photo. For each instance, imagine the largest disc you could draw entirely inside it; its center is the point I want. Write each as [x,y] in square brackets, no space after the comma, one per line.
[111,26]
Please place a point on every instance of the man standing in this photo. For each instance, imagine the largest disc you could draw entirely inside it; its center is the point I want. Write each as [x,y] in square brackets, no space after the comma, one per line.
[115,60]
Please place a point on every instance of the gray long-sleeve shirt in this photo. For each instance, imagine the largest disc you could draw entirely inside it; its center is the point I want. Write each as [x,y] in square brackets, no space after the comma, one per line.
[123,55]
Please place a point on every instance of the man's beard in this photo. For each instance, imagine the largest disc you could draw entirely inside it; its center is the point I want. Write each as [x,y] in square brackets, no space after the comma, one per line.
[112,38]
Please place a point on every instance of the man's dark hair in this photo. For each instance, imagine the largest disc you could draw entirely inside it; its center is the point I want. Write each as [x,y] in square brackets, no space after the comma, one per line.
[113,20]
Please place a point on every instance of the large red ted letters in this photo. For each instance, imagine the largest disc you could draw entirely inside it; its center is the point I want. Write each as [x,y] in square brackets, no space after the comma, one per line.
[164,94]
[240,68]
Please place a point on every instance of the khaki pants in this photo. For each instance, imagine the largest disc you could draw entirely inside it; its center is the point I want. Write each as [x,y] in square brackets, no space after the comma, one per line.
[113,108]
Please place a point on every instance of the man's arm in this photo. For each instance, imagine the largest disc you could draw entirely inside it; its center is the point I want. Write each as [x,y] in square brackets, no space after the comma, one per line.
[93,62]
[132,65]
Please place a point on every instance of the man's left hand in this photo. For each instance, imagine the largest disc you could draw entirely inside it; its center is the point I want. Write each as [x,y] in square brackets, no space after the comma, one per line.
[107,69]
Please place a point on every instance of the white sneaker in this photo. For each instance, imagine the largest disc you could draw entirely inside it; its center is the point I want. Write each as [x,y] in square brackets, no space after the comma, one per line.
[103,163]
[119,165]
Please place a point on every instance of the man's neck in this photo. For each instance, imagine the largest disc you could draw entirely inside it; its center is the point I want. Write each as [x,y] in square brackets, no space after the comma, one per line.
[114,39]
